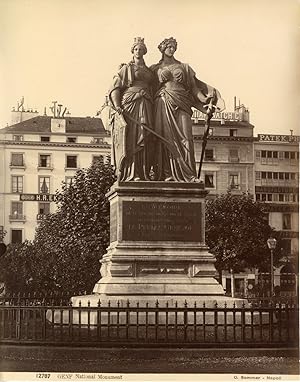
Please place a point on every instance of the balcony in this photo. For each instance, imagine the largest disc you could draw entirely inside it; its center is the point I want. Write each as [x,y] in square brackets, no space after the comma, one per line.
[17,166]
[233,159]
[17,218]
[40,217]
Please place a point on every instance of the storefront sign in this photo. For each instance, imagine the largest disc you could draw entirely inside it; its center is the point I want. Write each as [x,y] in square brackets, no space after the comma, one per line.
[38,198]
[227,116]
[278,138]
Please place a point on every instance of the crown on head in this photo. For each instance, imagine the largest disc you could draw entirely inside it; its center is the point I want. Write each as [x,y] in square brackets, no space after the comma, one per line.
[138,40]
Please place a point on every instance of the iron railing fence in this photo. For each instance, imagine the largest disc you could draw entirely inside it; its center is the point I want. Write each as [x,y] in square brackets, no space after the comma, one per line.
[159,325]
[63,299]
[36,298]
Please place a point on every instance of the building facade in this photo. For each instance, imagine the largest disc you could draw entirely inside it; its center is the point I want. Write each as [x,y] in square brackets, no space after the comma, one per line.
[36,155]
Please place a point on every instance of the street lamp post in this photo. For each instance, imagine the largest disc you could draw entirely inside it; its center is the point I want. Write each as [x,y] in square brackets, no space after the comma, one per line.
[272,245]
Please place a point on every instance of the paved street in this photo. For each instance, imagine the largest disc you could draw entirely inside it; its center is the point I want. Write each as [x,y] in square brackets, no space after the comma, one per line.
[63,359]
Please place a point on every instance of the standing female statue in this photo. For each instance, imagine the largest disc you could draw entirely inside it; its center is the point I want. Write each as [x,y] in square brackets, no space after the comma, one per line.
[131,99]
[177,90]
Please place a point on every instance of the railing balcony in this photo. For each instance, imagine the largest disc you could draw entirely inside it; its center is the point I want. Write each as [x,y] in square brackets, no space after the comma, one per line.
[40,217]
[17,217]
[233,159]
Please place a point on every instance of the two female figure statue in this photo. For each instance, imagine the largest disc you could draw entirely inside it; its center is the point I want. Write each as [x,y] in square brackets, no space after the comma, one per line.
[152,127]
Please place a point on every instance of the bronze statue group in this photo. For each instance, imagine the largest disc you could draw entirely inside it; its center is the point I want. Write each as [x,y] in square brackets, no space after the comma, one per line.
[151,116]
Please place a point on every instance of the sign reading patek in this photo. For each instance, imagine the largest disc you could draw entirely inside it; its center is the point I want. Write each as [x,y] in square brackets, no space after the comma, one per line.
[161,221]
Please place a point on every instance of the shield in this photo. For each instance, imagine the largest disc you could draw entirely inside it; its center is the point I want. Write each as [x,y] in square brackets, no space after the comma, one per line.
[118,141]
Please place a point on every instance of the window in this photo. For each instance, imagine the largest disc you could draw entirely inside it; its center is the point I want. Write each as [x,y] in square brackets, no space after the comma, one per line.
[280,154]
[257,196]
[293,176]
[44,160]
[232,132]
[45,139]
[263,197]
[17,183]
[209,180]
[233,155]
[269,197]
[275,197]
[17,159]
[209,154]
[286,176]
[269,174]
[69,180]
[264,175]
[18,138]
[257,154]
[275,175]
[16,236]
[286,155]
[275,154]
[280,175]
[269,154]
[286,221]
[71,161]
[280,197]
[17,210]
[44,185]
[97,158]
[263,154]
[257,175]
[233,181]
[44,208]
[71,139]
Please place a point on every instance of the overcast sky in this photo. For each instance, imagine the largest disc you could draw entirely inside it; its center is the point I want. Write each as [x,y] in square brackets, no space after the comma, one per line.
[69,50]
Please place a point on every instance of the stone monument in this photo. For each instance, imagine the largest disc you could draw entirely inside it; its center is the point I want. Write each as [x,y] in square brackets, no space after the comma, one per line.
[157,245]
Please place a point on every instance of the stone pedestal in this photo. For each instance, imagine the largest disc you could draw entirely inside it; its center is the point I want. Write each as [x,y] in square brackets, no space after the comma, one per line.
[157,244]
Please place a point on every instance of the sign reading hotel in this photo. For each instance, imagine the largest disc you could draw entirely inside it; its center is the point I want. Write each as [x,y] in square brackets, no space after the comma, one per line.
[38,198]
[278,138]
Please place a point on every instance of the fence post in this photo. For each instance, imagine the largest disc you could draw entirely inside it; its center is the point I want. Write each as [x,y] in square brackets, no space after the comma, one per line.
[185,320]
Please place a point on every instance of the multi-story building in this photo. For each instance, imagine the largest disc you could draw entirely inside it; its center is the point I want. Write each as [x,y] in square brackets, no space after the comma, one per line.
[277,184]
[37,153]
[228,161]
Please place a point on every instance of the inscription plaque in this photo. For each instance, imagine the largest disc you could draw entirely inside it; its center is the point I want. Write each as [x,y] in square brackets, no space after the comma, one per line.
[161,221]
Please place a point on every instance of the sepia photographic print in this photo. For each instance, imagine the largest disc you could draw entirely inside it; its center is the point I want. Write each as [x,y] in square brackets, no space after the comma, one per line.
[149,190]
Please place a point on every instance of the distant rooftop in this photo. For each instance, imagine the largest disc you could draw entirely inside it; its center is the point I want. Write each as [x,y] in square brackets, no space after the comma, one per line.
[42,124]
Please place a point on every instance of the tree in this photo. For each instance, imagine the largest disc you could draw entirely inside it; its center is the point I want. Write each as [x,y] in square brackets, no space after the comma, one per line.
[70,242]
[237,232]
[15,267]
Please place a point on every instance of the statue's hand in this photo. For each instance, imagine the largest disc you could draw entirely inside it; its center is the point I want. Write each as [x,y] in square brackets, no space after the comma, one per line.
[119,110]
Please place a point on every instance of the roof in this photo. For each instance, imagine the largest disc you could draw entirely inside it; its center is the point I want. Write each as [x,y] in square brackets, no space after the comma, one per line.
[42,124]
